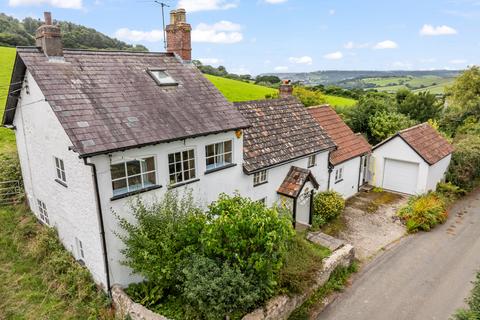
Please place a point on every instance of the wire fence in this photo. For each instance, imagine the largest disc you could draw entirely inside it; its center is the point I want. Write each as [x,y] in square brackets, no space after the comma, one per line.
[11,192]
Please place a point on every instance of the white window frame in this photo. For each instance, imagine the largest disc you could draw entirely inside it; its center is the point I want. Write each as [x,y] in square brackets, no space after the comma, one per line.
[141,174]
[182,170]
[260,177]
[60,169]
[338,174]
[43,212]
[216,156]
[80,249]
[312,161]
[170,81]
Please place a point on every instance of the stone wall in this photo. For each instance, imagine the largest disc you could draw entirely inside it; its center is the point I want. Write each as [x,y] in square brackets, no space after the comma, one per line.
[125,306]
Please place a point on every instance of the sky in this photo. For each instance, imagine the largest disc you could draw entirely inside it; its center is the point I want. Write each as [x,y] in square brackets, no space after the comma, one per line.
[259,36]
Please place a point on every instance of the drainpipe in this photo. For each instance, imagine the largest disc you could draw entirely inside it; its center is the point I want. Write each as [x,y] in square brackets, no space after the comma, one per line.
[359,173]
[102,226]
[330,169]
[294,212]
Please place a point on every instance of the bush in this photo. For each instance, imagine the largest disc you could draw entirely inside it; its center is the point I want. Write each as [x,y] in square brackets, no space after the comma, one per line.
[464,170]
[449,191]
[250,236]
[213,290]
[309,97]
[473,311]
[423,212]
[326,206]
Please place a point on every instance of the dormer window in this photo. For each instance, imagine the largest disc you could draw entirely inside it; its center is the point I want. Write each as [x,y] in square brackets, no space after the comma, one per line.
[162,78]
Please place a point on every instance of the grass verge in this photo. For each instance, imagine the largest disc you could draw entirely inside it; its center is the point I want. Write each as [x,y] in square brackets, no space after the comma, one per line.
[473,310]
[336,282]
[39,278]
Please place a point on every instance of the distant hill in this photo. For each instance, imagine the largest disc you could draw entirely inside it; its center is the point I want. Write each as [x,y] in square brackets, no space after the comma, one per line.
[380,80]
[14,32]
[235,90]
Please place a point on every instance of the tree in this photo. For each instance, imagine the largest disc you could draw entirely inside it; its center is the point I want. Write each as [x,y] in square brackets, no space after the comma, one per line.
[421,106]
[465,91]
[267,79]
[384,124]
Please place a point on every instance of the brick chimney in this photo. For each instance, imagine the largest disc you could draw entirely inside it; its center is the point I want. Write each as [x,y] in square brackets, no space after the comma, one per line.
[285,89]
[49,38]
[178,35]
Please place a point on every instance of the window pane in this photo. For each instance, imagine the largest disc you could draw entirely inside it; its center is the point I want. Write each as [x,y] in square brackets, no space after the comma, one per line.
[117,170]
[134,183]
[150,162]
[228,158]
[63,176]
[171,168]
[177,157]
[133,167]
[228,146]
[61,165]
[171,158]
[56,163]
[59,174]
[210,150]
[187,175]
[172,179]
[190,154]
[192,174]
[149,179]
[119,187]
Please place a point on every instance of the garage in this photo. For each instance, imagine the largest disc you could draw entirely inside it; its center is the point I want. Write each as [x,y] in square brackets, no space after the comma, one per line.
[400,176]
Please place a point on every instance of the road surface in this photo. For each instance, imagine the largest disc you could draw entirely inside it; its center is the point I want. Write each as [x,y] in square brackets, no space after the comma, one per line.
[424,276]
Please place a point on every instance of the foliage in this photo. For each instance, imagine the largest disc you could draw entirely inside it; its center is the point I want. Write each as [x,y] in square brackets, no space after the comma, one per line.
[464,169]
[385,124]
[267,79]
[337,281]
[249,236]
[212,290]
[302,262]
[423,212]
[465,91]
[327,206]
[40,279]
[449,191]
[421,106]
[146,293]
[309,97]
[473,311]
[470,125]
[166,232]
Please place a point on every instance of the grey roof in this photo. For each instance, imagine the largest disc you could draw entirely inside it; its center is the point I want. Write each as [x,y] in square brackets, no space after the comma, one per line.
[107,101]
[282,130]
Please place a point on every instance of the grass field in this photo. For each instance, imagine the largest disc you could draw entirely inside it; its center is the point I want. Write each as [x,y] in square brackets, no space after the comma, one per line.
[7,137]
[236,91]
[434,84]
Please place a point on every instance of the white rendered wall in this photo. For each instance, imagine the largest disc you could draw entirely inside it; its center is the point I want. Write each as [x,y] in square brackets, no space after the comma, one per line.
[397,149]
[205,190]
[72,209]
[349,185]
[436,172]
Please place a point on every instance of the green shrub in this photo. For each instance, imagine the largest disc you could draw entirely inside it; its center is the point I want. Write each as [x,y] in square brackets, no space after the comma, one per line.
[423,212]
[473,311]
[146,293]
[309,97]
[166,232]
[214,290]
[250,236]
[450,191]
[326,206]
[302,262]
[464,170]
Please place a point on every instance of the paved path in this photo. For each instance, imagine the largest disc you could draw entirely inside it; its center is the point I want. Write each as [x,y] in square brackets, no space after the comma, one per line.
[424,276]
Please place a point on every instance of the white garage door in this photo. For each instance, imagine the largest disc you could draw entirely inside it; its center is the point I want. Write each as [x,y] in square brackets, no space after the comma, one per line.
[400,176]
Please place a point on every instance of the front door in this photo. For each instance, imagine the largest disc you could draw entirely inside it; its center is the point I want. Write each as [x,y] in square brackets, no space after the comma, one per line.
[304,205]
[363,169]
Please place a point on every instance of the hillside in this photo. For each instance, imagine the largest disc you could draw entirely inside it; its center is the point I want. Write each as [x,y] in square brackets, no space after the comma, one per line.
[7,56]
[235,90]
[21,33]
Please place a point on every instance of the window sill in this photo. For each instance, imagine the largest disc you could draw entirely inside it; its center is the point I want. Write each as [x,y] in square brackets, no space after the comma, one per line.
[220,168]
[338,181]
[313,165]
[132,193]
[259,184]
[60,182]
[173,186]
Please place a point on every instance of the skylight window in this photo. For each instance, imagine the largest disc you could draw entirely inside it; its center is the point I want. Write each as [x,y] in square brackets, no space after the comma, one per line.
[162,78]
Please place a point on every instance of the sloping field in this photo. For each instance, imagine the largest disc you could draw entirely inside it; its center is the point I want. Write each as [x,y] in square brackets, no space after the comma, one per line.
[7,57]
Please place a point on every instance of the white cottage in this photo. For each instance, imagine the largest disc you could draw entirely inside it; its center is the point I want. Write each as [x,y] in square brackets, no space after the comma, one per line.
[413,161]
[95,128]
[349,163]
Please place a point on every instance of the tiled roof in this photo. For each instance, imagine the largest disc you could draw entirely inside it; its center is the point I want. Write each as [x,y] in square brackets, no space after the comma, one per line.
[281,130]
[107,101]
[427,142]
[350,145]
[294,181]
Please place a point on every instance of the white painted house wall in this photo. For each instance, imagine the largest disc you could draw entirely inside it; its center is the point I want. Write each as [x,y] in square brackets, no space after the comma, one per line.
[436,172]
[72,209]
[348,186]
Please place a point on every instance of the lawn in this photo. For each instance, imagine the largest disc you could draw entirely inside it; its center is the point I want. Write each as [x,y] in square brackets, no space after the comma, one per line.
[39,278]
[235,91]
[7,137]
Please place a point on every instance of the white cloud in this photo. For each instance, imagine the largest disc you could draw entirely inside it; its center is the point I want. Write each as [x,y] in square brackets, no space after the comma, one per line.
[220,32]
[211,61]
[126,34]
[331,12]
[429,30]
[458,61]
[275,1]
[352,45]
[337,55]
[65,4]
[387,44]
[281,68]
[205,5]
[301,60]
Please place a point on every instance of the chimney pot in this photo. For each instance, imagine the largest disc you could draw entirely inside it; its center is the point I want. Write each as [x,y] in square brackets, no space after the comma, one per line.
[179,34]
[48,18]
[285,89]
